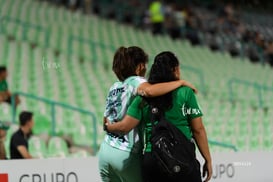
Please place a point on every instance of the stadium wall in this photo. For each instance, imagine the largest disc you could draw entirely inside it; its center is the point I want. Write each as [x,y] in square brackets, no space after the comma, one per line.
[231,166]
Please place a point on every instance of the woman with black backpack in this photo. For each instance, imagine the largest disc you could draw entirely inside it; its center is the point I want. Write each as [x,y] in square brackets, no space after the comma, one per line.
[181,110]
[119,156]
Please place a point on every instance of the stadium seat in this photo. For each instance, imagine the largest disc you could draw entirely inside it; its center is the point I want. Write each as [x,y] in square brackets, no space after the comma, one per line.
[57,147]
[42,124]
[82,135]
[37,147]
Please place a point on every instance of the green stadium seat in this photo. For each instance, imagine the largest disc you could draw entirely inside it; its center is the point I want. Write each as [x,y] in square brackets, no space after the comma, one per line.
[82,135]
[37,147]
[42,124]
[57,147]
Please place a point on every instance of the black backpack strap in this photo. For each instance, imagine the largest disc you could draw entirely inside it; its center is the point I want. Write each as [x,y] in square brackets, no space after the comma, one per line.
[153,118]
[155,114]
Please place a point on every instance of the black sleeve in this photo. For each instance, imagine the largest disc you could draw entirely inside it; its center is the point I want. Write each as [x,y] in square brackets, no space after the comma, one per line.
[18,141]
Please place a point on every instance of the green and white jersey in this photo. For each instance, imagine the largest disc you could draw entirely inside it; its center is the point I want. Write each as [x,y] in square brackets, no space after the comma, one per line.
[118,100]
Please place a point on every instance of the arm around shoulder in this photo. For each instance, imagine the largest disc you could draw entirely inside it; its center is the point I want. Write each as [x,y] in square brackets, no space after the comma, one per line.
[122,127]
[153,90]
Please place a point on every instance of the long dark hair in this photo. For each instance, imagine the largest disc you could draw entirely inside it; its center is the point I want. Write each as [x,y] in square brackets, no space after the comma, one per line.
[126,61]
[163,70]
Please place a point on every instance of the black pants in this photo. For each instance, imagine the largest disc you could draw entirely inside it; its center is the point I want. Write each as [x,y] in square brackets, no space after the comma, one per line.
[157,28]
[152,173]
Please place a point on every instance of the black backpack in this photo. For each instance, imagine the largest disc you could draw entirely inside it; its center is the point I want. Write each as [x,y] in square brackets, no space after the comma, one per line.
[174,153]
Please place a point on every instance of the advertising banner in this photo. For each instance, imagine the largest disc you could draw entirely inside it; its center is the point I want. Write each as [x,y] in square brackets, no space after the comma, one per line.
[231,166]
[50,170]
[241,166]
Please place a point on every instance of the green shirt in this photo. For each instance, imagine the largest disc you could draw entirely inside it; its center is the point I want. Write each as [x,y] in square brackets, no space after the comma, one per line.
[120,96]
[3,86]
[184,109]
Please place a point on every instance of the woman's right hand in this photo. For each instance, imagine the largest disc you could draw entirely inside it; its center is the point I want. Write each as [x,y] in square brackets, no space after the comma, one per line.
[105,124]
[207,170]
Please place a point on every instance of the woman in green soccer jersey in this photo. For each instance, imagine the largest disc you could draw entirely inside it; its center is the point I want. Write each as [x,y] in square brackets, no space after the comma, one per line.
[181,109]
[119,156]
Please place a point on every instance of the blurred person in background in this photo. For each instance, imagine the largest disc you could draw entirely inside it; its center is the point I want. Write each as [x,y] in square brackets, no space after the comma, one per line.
[5,94]
[3,131]
[119,157]
[192,25]
[269,52]
[156,13]
[172,21]
[74,4]
[19,140]
[256,47]
[87,6]
[181,109]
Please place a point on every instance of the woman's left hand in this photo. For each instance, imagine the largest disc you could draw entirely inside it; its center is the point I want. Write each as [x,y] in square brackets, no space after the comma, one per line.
[188,84]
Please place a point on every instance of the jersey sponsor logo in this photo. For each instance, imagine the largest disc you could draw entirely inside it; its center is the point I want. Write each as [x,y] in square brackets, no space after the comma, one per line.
[4,177]
[117,91]
[189,111]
